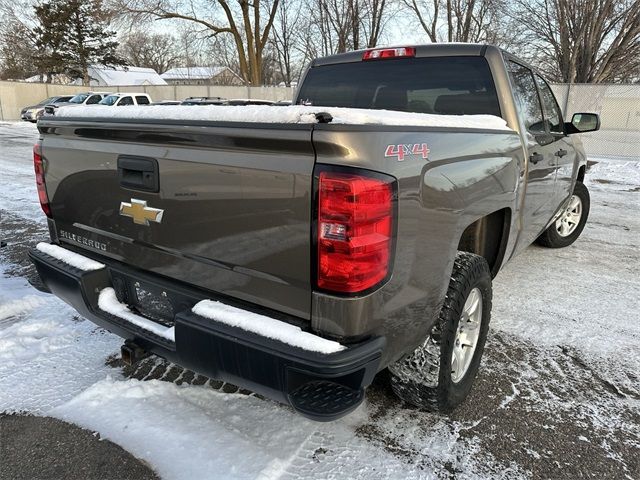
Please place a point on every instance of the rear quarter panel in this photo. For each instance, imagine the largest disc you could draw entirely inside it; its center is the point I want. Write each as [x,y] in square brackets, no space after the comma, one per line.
[467,175]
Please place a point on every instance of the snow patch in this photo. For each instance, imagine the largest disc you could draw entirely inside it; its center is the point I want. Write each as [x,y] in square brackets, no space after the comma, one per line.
[188,431]
[265,326]
[70,258]
[108,302]
[20,305]
[47,353]
[288,114]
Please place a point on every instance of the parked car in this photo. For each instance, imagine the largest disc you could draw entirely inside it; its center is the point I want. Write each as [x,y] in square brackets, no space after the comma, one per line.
[85,98]
[33,112]
[299,260]
[204,101]
[249,101]
[167,102]
[124,99]
[224,101]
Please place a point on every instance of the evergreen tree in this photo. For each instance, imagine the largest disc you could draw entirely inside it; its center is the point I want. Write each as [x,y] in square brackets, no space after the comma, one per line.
[72,35]
[16,51]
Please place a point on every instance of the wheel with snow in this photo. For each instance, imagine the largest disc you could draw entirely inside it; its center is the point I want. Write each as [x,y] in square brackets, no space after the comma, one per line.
[569,225]
[439,374]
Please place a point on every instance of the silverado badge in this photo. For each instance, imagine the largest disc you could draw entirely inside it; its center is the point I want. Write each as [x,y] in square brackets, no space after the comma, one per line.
[140,213]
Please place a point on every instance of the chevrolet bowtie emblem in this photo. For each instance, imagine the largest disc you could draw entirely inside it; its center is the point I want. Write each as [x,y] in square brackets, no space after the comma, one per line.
[140,213]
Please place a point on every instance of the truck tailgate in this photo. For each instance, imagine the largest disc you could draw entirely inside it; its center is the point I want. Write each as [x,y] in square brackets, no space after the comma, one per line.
[225,208]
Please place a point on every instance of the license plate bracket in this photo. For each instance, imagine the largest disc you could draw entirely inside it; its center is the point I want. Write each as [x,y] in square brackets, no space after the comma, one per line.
[153,303]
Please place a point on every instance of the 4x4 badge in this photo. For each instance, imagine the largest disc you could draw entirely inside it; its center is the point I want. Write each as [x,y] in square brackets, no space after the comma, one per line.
[140,213]
[400,151]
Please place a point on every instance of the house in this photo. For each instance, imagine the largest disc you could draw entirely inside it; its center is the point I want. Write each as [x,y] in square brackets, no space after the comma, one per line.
[120,76]
[202,76]
[108,77]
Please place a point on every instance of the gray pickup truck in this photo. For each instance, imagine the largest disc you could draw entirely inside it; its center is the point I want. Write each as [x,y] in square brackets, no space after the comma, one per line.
[298,260]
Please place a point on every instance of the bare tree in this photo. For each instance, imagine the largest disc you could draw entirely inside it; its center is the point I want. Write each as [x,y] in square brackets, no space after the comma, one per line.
[221,51]
[150,50]
[455,20]
[582,41]
[336,26]
[374,20]
[249,23]
[336,18]
[286,35]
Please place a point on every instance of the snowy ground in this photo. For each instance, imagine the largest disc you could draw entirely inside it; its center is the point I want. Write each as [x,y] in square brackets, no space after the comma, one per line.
[558,395]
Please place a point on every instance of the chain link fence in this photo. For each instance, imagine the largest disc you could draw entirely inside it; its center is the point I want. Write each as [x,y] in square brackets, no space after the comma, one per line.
[619,109]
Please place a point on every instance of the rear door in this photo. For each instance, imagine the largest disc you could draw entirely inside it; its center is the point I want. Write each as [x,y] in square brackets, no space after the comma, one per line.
[539,203]
[125,101]
[235,203]
[93,99]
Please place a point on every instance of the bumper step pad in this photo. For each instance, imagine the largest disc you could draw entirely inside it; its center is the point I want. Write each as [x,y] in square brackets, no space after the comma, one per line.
[325,398]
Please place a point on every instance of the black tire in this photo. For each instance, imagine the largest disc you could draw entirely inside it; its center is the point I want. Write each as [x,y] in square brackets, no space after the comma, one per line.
[551,238]
[423,378]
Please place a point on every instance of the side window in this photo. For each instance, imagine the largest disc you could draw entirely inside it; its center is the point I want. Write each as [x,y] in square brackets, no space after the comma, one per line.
[125,101]
[552,113]
[526,95]
[93,99]
[142,100]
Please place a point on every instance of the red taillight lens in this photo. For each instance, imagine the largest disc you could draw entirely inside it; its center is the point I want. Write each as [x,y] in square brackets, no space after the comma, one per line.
[382,53]
[355,230]
[38,166]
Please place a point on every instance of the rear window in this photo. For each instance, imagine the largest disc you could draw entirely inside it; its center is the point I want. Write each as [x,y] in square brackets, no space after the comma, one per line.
[441,85]
[142,100]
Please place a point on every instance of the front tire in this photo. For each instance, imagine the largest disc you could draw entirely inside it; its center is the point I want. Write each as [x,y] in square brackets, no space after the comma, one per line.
[439,374]
[568,227]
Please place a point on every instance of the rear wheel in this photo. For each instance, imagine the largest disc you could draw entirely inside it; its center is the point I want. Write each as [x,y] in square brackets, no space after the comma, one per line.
[569,225]
[439,374]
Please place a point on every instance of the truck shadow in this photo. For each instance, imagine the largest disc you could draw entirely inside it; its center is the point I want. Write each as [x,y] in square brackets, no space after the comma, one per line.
[529,406]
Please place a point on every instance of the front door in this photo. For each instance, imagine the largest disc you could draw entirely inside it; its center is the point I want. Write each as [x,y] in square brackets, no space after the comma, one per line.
[563,150]
[539,203]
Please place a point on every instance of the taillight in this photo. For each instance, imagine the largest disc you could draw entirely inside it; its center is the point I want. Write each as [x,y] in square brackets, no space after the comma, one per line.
[355,230]
[38,166]
[382,53]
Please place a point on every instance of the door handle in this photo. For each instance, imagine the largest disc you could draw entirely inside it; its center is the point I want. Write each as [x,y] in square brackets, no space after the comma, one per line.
[536,157]
[561,153]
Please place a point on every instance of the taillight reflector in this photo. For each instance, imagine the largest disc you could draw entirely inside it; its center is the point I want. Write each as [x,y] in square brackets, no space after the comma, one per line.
[383,53]
[355,230]
[38,166]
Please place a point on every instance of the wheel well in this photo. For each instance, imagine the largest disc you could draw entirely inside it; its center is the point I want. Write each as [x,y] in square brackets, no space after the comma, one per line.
[487,237]
[581,171]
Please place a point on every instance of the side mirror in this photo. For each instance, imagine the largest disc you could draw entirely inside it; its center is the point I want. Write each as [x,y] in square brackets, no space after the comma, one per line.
[583,122]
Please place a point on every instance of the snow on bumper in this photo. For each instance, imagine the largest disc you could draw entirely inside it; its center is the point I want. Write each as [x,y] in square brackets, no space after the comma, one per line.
[265,326]
[70,258]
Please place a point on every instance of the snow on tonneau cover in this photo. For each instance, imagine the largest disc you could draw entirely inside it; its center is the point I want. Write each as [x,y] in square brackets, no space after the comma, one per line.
[195,194]
[288,114]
